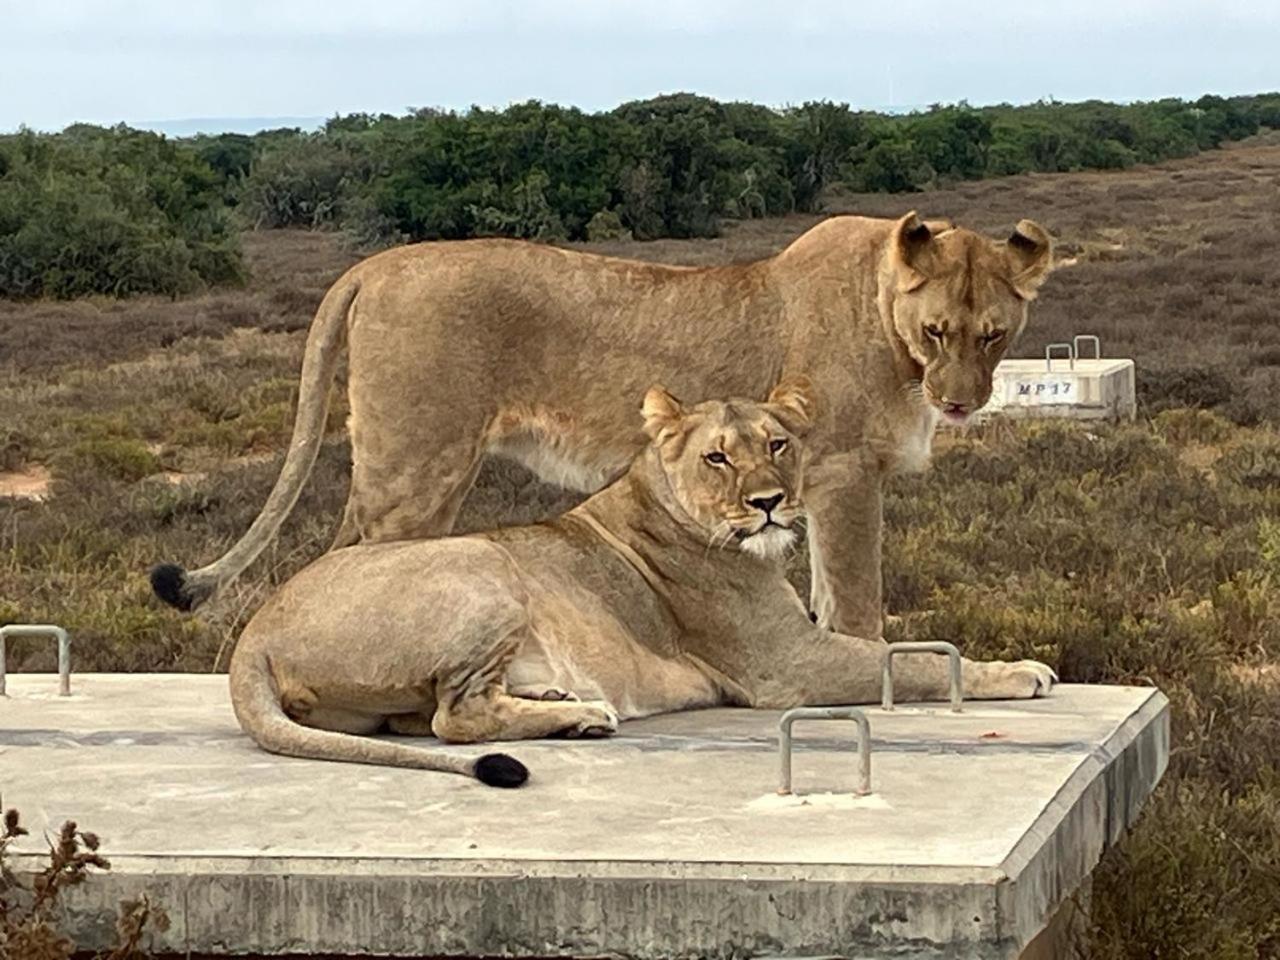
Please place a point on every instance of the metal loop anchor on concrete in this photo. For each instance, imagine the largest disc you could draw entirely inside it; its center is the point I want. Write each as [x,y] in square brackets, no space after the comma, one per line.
[1048,355]
[1086,338]
[826,713]
[18,630]
[923,646]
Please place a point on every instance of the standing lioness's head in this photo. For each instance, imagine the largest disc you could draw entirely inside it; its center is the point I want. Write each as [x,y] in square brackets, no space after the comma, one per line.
[735,466]
[959,300]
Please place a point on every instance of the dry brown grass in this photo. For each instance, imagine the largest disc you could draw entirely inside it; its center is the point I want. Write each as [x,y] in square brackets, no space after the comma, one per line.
[162,422]
[1145,553]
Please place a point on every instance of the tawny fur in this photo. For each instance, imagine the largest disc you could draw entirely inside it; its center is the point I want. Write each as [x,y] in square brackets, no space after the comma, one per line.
[663,592]
[460,349]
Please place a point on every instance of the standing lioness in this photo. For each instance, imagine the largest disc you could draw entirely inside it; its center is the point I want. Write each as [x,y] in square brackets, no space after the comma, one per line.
[663,592]
[458,349]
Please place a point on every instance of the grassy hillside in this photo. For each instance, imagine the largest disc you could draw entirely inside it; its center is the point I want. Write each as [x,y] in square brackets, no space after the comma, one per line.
[1144,553]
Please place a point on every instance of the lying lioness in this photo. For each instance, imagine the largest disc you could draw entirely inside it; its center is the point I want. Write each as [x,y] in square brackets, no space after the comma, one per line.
[662,592]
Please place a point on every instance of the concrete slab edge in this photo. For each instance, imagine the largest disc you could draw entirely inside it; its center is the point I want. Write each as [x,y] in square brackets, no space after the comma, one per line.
[1091,811]
[446,907]
[459,916]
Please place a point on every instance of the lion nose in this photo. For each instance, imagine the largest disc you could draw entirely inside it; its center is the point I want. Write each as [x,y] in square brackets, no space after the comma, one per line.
[765,504]
[960,409]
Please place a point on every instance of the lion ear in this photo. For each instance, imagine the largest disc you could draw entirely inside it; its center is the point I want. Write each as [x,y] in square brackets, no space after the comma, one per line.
[911,249]
[792,403]
[662,412]
[1029,251]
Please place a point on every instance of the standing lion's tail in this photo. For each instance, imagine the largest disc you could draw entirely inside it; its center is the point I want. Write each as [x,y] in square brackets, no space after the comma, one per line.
[186,591]
[260,714]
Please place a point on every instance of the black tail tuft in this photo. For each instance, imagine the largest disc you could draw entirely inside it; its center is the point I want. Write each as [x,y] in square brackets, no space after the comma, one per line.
[499,770]
[169,581]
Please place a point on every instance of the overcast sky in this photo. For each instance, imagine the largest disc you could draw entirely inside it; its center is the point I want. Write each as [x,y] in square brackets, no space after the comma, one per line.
[78,60]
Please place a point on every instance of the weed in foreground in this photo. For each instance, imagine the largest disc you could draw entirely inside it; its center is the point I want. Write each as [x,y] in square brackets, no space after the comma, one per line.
[29,914]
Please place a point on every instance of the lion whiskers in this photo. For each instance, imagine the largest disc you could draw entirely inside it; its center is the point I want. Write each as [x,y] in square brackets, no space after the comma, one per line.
[729,532]
[721,529]
[800,525]
[771,543]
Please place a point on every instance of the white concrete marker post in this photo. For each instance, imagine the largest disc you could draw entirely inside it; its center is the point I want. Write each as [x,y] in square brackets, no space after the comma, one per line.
[1065,385]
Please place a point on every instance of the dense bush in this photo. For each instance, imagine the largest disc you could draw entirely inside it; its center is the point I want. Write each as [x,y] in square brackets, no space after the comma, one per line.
[229,155]
[674,165]
[302,181]
[116,211]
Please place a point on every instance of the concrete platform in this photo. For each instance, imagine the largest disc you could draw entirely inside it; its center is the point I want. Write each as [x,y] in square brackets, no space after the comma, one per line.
[667,841]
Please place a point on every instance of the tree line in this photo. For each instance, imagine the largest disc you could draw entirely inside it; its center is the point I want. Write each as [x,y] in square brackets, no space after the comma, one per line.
[121,211]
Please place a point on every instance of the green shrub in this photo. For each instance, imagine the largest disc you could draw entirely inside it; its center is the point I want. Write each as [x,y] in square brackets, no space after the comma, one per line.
[113,211]
[304,180]
[230,156]
[674,165]
[1193,426]
[1254,464]
[120,211]
[607,225]
[523,212]
[1190,881]
[114,457]
[1163,388]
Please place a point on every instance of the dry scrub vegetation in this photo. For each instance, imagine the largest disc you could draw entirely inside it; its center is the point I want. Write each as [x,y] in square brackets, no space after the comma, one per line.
[30,912]
[1144,553]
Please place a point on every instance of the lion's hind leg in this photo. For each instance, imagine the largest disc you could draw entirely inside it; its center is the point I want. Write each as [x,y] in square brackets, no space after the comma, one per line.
[410,724]
[476,697]
[497,715]
[415,497]
[304,707]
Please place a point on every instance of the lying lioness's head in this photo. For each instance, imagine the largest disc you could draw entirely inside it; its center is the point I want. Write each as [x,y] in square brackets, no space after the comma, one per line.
[960,301]
[734,466]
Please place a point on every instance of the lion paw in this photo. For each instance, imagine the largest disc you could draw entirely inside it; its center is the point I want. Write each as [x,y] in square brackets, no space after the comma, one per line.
[1017,680]
[595,719]
[542,691]
[555,693]
[1046,676]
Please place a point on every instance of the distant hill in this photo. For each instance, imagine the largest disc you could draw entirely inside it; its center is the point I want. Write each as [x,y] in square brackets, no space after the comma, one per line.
[191,126]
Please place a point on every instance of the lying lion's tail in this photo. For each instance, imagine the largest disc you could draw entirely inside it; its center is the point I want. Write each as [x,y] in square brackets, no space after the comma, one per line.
[260,714]
[186,591]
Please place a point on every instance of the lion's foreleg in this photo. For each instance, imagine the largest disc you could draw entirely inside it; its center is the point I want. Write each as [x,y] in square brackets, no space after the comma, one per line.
[830,668]
[845,529]
[818,668]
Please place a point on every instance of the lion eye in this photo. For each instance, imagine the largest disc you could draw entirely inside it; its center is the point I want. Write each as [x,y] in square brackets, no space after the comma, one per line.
[992,338]
[777,446]
[717,458]
[934,333]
